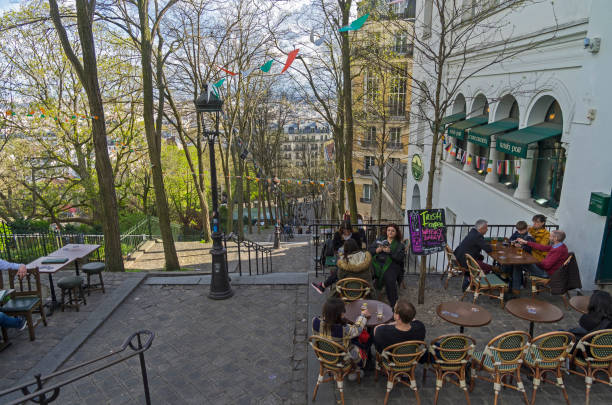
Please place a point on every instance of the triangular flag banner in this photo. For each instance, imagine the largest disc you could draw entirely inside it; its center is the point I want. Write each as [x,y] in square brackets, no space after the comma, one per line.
[246,73]
[448,147]
[517,167]
[317,42]
[219,83]
[499,167]
[227,71]
[266,66]
[469,161]
[290,59]
[355,25]
[507,164]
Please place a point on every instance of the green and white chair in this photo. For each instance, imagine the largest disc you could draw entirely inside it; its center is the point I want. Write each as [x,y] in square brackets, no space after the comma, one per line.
[593,355]
[484,284]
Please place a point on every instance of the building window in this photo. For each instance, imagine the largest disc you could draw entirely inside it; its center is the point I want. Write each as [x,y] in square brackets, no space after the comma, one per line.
[371,88]
[427,18]
[394,138]
[367,192]
[397,94]
[371,134]
[368,162]
[400,44]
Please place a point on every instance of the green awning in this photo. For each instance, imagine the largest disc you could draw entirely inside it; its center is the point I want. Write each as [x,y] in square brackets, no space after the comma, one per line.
[449,119]
[482,135]
[458,128]
[516,143]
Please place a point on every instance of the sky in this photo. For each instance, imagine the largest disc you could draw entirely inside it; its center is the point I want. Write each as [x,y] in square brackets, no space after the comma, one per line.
[8,4]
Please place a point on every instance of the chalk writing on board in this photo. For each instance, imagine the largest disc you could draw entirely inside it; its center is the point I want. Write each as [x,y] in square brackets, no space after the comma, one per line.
[427,231]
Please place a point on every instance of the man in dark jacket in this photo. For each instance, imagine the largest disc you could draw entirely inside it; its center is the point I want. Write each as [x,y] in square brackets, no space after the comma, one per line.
[472,244]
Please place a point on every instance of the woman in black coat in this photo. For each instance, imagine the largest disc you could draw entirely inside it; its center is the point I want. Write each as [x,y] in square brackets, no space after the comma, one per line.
[344,233]
[388,261]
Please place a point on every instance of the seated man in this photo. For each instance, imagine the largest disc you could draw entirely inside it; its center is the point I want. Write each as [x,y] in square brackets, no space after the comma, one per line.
[5,320]
[403,329]
[557,255]
[472,244]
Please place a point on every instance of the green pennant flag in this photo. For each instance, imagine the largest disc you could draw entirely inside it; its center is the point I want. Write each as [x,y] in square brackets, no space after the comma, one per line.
[355,25]
[267,66]
[219,83]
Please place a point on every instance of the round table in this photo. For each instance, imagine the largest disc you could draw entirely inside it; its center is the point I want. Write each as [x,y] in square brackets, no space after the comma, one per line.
[580,303]
[353,310]
[534,310]
[463,314]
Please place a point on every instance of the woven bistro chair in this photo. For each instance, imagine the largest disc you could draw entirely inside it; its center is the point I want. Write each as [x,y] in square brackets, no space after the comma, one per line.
[450,355]
[26,299]
[502,357]
[453,267]
[334,361]
[400,360]
[353,289]
[547,354]
[539,284]
[593,354]
[485,284]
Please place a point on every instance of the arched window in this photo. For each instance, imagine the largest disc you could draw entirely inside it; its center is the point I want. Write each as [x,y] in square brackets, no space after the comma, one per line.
[416,198]
[550,160]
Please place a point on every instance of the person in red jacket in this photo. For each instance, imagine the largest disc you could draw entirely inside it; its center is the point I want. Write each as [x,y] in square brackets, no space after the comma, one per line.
[557,255]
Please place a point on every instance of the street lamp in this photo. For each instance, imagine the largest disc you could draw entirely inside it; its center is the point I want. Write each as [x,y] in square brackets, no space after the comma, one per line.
[277,230]
[220,287]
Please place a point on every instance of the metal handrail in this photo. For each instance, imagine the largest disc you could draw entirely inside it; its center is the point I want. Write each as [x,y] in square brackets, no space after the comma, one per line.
[265,252]
[40,394]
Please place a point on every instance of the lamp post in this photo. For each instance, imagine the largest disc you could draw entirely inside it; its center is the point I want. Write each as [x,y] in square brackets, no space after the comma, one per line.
[277,230]
[220,287]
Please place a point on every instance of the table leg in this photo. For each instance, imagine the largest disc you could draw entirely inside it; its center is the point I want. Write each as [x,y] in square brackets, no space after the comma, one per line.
[53,304]
[531,329]
[76,266]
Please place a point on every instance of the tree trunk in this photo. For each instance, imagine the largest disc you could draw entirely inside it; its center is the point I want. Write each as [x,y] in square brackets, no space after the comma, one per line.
[240,195]
[88,76]
[380,195]
[248,202]
[259,210]
[272,217]
[153,140]
[345,7]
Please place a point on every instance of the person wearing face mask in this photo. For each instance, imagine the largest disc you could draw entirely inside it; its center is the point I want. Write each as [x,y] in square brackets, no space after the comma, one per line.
[388,261]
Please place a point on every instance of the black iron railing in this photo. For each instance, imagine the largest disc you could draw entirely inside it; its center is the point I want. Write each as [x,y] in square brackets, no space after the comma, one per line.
[256,255]
[435,263]
[43,391]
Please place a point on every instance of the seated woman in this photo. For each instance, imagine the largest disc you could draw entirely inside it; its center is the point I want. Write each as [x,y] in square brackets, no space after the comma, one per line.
[332,325]
[598,316]
[353,263]
[388,261]
[344,233]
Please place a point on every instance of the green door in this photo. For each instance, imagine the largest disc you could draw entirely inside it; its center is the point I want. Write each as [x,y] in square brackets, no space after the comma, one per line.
[604,269]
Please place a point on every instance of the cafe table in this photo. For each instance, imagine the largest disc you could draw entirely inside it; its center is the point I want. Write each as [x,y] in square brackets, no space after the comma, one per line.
[510,255]
[353,310]
[72,252]
[534,310]
[580,303]
[463,314]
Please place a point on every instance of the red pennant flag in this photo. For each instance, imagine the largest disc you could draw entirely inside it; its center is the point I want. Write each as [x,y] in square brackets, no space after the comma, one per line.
[290,58]
[227,71]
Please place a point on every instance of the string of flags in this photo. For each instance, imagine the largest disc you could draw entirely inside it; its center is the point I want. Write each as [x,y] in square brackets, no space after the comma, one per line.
[41,113]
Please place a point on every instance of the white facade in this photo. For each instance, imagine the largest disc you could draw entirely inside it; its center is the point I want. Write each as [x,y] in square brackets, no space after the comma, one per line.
[552,64]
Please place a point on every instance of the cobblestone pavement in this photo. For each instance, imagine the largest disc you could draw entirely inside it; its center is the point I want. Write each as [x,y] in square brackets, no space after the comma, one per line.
[22,355]
[205,351]
[370,392]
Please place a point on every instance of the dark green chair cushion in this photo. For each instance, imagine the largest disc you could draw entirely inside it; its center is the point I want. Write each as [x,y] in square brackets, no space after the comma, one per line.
[70,282]
[93,267]
[19,304]
[54,260]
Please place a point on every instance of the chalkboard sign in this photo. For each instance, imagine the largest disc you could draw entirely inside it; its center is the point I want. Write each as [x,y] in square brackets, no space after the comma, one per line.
[427,231]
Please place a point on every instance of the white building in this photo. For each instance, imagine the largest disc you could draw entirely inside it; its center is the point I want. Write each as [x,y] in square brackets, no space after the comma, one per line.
[303,143]
[540,116]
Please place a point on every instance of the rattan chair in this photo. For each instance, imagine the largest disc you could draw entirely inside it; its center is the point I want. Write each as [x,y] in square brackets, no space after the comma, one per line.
[450,355]
[593,354]
[485,284]
[333,361]
[539,284]
[502,357]
[547,354]
[353,289]
[453,267]
[26,299]
[400,360]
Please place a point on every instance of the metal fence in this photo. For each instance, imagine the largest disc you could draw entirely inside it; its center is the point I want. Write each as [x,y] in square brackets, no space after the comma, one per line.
[257,256]
[435,263]
[44,390]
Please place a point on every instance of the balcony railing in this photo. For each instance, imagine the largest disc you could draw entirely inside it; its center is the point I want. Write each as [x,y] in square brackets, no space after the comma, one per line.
[366,200]
[364,172]
[367,144]
[395,145]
